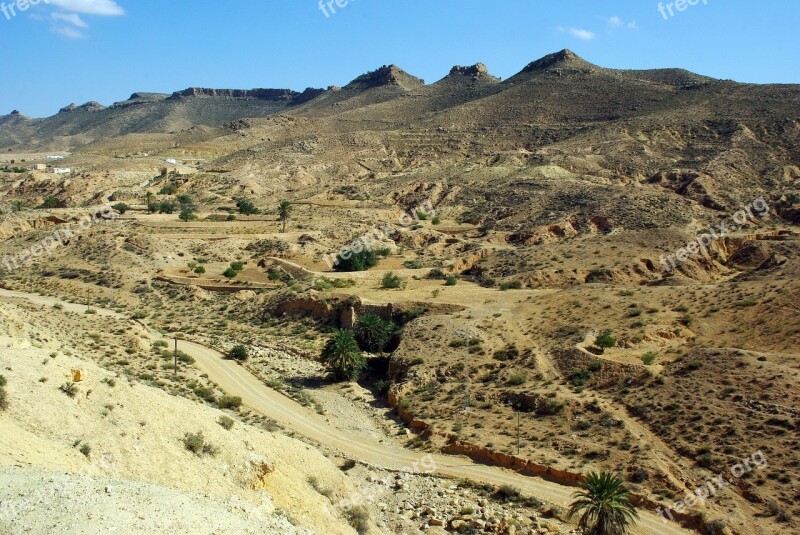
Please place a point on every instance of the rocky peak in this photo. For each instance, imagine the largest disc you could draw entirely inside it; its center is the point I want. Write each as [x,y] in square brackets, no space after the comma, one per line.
[387,75]
[478,70]
[565,59]
[262,94]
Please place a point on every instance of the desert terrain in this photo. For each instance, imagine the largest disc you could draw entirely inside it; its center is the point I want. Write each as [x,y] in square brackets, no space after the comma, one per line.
[585,269]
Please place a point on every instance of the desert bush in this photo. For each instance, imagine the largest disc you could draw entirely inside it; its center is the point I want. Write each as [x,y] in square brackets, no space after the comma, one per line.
[85,449]
[358,517]
[52,201]
[120,207]
[437,274]
[230,273]
[246,207]
[238,353]
[360,261]
[196,443]
[391,281]
[451,280]
[606,339]
[166,207]
[226,422]
[515,285]
[3,395]
[70,389]
[205,393]
[649,358]
[229,402]
[509,353]
[518,378]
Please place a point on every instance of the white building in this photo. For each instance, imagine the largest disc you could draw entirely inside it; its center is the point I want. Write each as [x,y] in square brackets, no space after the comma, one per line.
[39,167]
[62,170]
[54,157]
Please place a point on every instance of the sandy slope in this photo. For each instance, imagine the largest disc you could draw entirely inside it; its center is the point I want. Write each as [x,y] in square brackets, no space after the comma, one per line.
[237,380]
[135,434]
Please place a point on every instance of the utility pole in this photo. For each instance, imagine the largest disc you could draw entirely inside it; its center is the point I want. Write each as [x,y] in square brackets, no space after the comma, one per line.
[466,335]
[176,357]
[519,443]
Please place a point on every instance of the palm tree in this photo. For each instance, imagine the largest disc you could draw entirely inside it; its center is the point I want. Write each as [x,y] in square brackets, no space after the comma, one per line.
[605,506]
[284,210]
[149,200]
[343,357]
[373,333]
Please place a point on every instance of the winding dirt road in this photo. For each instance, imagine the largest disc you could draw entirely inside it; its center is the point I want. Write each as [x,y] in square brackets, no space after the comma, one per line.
[236,380]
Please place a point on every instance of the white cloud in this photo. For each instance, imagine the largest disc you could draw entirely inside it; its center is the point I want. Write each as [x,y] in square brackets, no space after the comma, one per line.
[69,32]
[578,33]
[90,7]
[618,22]
[70,18]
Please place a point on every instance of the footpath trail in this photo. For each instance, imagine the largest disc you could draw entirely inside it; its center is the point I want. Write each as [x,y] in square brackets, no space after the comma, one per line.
[236,380]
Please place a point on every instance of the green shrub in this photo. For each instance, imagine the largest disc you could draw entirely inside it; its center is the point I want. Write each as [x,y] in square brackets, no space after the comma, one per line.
[230,273]
[196,443]
[391,281]
[121,207]
[451,280]
[649,358]
[199,270]
[52,201]
[229,402]
[246,207]
[606,339]
[86,449]
[187,214]
[518,378]
[166,207]
[515,285]
[436,220]
[226,422]
[361,261]
[3,395]
[509,353]
[238,353]
[168,189]
[237,266]
[205,393]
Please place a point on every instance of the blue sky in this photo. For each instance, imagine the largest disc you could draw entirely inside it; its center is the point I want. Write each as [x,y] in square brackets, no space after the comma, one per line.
[104,50]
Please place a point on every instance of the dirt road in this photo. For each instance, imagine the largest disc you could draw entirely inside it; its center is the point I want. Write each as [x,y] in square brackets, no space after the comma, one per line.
[236,380]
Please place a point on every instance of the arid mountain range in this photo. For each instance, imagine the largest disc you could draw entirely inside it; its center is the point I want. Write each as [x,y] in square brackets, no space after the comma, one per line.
[548,314]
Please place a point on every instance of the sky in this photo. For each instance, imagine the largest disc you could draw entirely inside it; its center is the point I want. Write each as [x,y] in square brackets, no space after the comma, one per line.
[62,51]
